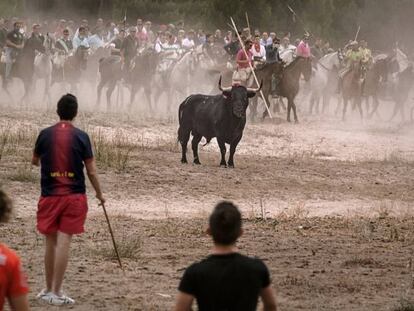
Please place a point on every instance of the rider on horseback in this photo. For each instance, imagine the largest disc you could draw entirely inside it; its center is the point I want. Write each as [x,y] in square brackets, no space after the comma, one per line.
[353,58]
[243,71]
[14,45]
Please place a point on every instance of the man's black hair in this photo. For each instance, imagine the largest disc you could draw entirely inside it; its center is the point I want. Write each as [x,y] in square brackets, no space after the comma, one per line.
[225,223]
[67,107]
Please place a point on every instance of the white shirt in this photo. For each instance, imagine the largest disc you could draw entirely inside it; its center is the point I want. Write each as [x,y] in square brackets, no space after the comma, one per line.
[261,54]
[188,43]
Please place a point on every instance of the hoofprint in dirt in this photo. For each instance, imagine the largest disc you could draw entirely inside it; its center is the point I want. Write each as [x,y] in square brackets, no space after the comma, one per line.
[316,263]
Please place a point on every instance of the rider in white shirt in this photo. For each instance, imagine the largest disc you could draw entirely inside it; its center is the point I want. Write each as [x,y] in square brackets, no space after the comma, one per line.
[188,42]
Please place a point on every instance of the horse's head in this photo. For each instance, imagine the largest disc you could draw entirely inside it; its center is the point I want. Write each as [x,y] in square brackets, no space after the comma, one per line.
[81,56]
[306,67]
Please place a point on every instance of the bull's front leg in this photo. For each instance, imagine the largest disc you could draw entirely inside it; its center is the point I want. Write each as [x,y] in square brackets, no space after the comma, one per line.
[222,145]
[233,147]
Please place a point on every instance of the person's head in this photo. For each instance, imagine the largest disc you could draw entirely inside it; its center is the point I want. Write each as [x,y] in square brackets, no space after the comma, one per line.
[257,32]
[257,39]
[66,33]
[265,36]
[364,44]
[17,25]
[121,34]
[248,44]
[354,45]
[67,107]
[148,25]
[62,23]
[181,34]
[217,34]
[132,31]
[99,22]
[246,32]
[36,29]
[276,42]
[171,38]
[84,22]
[326,45]
[191,34]
[306,38]
[209,38]
[285,41]
[6,207]
[140,24]
[273,35]
[318,42]
[225,224]
[82,32]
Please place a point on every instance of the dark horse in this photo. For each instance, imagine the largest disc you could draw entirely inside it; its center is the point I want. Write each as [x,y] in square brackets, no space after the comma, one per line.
[139,76]
[264,74]
[352,88]
[375,76]
[405,81]
[289,84]
[72,68]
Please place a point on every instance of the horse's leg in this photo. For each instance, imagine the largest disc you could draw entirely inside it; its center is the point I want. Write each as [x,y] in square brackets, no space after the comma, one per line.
[402,112]
[253,108]
[109,91]
[99,91]
[293,107]
[148,95]
[289,107]
[359,105]
[312,103]
[395,111]
[345,103]
[194,144]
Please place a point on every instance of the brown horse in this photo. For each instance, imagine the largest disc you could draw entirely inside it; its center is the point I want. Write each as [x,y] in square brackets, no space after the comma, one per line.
[264,74]
[374,77]
[289,84]
[352,88]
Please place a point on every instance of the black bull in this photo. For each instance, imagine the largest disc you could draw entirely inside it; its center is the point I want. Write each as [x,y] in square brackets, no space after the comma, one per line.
[222,116]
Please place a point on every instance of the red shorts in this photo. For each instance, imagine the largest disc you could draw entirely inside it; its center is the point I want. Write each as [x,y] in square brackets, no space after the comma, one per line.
[65,213]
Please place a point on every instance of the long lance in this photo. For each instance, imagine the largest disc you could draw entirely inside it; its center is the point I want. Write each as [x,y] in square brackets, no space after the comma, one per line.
[357,33]
[298,18]
[251,67]
[248,23]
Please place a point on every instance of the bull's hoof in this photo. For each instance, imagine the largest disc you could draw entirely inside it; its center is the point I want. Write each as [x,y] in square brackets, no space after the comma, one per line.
[184,161]
[223,164]
[296,121]
[197,161]
[230,165]
[288,120]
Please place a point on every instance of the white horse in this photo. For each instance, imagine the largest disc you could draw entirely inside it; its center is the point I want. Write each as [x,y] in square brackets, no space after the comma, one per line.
[325,80]
[43,67]
[177,79]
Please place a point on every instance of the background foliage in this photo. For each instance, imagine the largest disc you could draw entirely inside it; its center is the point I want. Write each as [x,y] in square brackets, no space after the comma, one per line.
[382,21]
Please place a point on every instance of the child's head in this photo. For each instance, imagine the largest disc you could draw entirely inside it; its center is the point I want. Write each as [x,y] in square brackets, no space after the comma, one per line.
[5,206]
[225,223]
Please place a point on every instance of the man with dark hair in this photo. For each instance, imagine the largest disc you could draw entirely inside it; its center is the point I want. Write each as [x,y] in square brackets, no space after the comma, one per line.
[226,280]
[14,45]
[13,283]
[62,150]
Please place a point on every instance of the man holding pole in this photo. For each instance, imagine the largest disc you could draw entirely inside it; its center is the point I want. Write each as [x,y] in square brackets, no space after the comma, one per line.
[244,60]
[62,150]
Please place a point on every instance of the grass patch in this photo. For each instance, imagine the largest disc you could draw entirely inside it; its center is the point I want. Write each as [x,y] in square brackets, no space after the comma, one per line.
[23,173]
[361,262]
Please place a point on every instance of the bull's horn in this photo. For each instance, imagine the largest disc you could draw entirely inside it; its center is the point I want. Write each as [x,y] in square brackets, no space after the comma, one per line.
[256,90]
[223,89]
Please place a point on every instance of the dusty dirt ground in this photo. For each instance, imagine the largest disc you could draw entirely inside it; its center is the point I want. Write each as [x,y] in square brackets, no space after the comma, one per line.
[328,206]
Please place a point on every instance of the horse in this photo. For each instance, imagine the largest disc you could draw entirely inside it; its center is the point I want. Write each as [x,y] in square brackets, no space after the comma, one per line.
[325,80]
[377,74]
[404,83]
[352,88]
[43,67]
[176,79]
[265,74]
[72,67]
[110,69]
[288,85]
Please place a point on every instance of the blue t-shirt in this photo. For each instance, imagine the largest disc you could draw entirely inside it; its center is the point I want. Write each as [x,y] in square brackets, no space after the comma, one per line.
[62,149]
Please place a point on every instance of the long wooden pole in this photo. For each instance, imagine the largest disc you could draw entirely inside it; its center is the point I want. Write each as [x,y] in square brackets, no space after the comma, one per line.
[251,67]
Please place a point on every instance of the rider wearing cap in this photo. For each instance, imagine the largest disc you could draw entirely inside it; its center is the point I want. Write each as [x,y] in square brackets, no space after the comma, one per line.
[303,48]
[366,55]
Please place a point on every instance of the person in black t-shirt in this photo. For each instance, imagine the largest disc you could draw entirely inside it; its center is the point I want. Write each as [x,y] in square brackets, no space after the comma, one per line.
[226,280]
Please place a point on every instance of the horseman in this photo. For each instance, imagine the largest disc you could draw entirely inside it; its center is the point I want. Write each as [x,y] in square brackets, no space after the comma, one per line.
[64,45]
[188,41]
[243,72]
[14,45]
[129,49]
[169,54]
[366,55]
[353,58]
[116,43]
[207,48]
[258,51]
[233,47]
[303,48]
[81,38]
[317,49]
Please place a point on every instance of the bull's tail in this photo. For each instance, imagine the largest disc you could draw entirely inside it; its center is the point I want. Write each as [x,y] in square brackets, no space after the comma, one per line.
[181,130]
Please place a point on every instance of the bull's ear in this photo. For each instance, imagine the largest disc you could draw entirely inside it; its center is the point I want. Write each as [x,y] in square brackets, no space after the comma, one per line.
[251,94]
[226,94]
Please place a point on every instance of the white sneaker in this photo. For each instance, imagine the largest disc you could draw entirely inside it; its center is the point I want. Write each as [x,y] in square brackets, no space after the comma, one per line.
[43,293]
[56,300]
